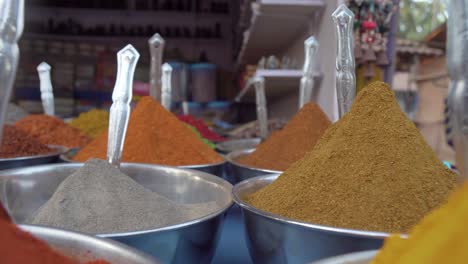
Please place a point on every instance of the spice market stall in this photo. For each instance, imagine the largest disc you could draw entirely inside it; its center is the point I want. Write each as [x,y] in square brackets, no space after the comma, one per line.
[142,183]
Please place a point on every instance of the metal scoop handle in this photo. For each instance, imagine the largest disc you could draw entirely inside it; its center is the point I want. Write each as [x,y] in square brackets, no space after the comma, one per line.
[345,68]
[47,96]
[457,101]
[185,108]
[156,45]
[307,81]
[11,28]
[127,59]
[259,84]
[166,91]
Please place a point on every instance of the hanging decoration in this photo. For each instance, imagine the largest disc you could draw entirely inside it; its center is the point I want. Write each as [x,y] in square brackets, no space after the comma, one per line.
[371,27]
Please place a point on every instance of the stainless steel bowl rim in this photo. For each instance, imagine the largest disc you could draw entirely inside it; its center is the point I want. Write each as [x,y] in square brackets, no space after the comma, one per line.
[330,229]
[221,145]
[64,158]
[223,183]
[72,235]
[350,257]
[58,151]
[231,158]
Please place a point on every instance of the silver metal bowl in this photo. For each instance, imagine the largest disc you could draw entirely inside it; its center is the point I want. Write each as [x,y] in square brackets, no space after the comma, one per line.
[275,239]
[229,146]
[9,163]
[364,257]
[85,248]
[215,168]
[237,172]
[24,190]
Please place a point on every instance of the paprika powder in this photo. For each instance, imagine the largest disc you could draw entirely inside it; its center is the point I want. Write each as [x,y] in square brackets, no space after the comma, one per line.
[16,143]
[20,247]
[52,131]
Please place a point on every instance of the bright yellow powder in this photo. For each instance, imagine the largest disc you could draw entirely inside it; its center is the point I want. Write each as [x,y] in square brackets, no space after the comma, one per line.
[92,123]
[441,237]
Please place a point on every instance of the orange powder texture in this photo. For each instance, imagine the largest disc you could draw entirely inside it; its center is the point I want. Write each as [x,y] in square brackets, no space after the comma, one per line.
[52,131]
[155,136]
[291,143]
[20,247]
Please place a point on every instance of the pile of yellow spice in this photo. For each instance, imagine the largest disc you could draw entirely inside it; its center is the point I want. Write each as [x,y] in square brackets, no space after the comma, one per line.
[441,237]
[92,123]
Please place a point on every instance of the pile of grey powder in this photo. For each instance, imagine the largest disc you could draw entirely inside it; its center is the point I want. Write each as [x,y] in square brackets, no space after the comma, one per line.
[98,199]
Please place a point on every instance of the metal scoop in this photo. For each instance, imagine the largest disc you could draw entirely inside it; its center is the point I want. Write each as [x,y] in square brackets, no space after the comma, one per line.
[260,99]
[457,101]
[11,28]
[345,71]
[127,59]
[47,96]
[156,45]
[166,89]
[307,81]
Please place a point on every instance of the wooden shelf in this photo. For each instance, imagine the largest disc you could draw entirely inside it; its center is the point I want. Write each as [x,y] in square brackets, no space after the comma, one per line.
[104,14]
[274,25]
[118,39]
[277,83]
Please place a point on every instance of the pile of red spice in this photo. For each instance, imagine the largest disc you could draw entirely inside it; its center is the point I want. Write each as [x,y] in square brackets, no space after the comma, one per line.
[204,130]
[16,143]
[52,131]
[155,136]
[20,247]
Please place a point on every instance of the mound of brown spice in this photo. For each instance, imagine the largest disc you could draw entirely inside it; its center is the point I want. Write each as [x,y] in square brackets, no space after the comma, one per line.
[16,143]
[291,143]
[372,170]
[155,136]
[52,131]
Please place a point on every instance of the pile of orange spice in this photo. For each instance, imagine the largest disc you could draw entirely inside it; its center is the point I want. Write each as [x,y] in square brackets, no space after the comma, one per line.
[52,131]
[291,143]
[155,136]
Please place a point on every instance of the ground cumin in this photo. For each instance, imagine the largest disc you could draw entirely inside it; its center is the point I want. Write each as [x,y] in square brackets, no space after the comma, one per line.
[291,143]
[52,131]
[16,143]
[372,170]
[155,136]
[441,237]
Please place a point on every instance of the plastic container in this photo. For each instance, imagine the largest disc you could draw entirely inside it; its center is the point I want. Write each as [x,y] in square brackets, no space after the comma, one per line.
[203,82]
[218,108]
[179,81]
[196,109]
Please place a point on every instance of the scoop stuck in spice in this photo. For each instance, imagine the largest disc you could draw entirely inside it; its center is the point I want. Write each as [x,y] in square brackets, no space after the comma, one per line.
[291,143]
[155,136]
[372,170]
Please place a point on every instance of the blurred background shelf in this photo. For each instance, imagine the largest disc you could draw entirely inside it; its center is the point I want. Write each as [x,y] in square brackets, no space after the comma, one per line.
[273,24]
[277,83]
